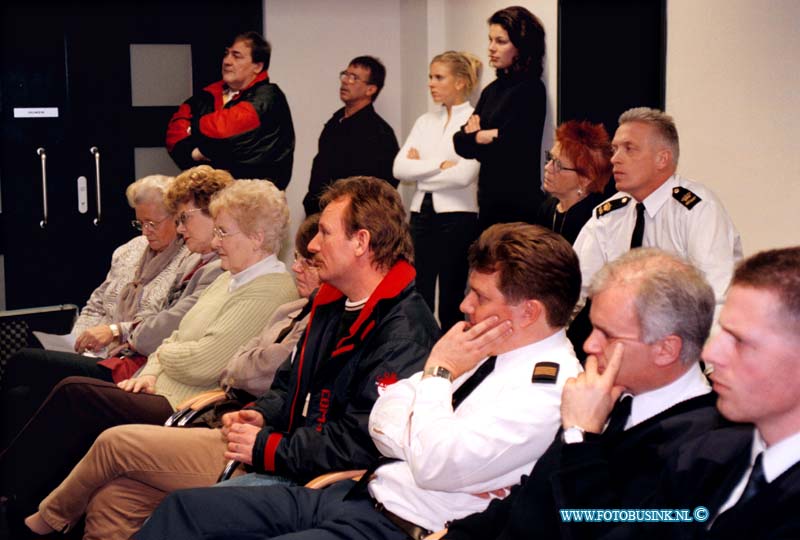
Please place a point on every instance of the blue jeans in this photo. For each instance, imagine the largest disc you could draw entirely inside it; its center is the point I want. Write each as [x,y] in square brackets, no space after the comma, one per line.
[256,479]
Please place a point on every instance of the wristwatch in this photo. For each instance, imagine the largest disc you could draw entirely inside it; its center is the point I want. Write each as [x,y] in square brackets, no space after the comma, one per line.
[438,371]
[114,330]
[572,435]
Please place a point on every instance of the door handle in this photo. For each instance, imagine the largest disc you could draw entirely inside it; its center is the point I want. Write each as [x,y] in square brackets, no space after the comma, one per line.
[96,153]
[43,157]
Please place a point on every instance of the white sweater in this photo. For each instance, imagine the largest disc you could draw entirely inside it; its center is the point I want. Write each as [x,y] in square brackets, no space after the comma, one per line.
[454,189]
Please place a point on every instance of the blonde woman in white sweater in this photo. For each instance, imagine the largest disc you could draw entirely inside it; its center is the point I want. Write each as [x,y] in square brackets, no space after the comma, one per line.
[250,218]
[444,210]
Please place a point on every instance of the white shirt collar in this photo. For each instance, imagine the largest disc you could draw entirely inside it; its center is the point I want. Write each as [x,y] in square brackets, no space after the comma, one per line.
[454,110]
[778,457]
[654,201]
[648,404]
[268,265]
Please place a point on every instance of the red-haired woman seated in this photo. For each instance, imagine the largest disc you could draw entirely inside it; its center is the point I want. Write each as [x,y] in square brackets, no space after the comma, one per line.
[576,172]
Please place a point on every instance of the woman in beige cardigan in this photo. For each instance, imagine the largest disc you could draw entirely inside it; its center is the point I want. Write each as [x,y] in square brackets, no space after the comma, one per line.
[250,219]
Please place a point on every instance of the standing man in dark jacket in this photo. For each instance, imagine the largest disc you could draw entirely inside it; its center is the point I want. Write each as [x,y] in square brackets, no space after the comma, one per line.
[356,140]
[241,123]
[641,396]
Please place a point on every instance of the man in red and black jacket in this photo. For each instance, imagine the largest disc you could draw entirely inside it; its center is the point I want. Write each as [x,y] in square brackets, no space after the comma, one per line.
[368,328]
[241,123]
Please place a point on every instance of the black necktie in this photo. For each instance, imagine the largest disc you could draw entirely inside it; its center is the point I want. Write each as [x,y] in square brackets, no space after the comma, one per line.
[474,380]
[638,229]
[619,415]
[458,397]
[756,482]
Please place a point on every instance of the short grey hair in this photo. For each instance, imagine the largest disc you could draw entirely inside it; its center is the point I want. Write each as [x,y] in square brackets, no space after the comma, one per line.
[663,123]
[256,206]
[149,189]
[672,297]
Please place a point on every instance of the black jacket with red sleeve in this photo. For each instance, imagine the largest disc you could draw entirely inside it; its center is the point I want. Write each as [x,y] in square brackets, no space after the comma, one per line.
[317,410]
[251,136]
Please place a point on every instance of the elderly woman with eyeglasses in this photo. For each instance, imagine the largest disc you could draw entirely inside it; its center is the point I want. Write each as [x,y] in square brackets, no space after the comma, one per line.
[250,222]
[141,273]
[138,283]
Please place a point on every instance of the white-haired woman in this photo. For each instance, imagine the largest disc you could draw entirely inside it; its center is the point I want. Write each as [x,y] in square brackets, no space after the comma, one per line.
[250,218]
[142,272]
[444,210]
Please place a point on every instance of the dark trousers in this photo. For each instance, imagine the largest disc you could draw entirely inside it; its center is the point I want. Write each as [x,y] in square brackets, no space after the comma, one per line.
[31,374]
[441,242]
[248,513]
[62,430]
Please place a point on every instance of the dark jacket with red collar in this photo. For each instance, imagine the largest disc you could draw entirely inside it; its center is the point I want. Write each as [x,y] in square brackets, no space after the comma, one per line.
[390,340]
[252,136]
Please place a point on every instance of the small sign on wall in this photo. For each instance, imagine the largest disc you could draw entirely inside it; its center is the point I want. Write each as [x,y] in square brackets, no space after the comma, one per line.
[35,112]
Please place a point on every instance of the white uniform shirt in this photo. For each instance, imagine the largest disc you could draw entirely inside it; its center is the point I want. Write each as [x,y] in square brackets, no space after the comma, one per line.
[702,234]
[454,189]
[493,438]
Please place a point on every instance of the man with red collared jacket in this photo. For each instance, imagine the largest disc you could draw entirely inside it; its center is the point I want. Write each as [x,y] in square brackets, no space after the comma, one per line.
[368,328]
[241,123]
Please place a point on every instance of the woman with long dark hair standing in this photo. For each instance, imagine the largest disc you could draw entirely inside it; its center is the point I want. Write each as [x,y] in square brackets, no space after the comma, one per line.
[505,131]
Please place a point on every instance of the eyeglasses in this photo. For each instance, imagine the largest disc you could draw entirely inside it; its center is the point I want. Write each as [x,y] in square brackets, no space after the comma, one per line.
[222,234]
[557,165]
[184,216]
[305,263]
[142,225]
[350,78]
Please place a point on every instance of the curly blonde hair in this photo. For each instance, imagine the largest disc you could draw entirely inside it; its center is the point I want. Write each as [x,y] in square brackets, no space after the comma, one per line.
[197,184]
[256,206]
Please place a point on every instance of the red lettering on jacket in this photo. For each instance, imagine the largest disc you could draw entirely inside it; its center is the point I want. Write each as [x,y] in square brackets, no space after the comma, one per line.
[324,404]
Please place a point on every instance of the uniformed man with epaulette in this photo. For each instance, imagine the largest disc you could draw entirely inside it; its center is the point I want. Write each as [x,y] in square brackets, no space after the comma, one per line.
[656,207]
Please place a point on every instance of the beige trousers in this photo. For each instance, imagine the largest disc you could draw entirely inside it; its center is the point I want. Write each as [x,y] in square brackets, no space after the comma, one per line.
[126,474]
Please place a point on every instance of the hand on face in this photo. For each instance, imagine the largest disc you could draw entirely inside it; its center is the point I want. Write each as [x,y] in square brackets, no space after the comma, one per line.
[462,347]
[587,399]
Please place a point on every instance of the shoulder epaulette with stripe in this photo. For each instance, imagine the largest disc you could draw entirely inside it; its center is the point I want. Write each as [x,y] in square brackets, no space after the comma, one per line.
[545,372]
[685,197]
[613,204]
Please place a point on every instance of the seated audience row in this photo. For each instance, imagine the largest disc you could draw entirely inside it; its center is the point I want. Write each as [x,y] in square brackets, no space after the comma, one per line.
[638,428]
[129,469]
[123,309]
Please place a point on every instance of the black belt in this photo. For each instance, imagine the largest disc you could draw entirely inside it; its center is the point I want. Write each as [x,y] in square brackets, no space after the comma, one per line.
[415,532]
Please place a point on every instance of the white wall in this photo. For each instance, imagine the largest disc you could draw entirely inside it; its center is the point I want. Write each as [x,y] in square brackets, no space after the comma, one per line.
[733,86]
[312,41]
